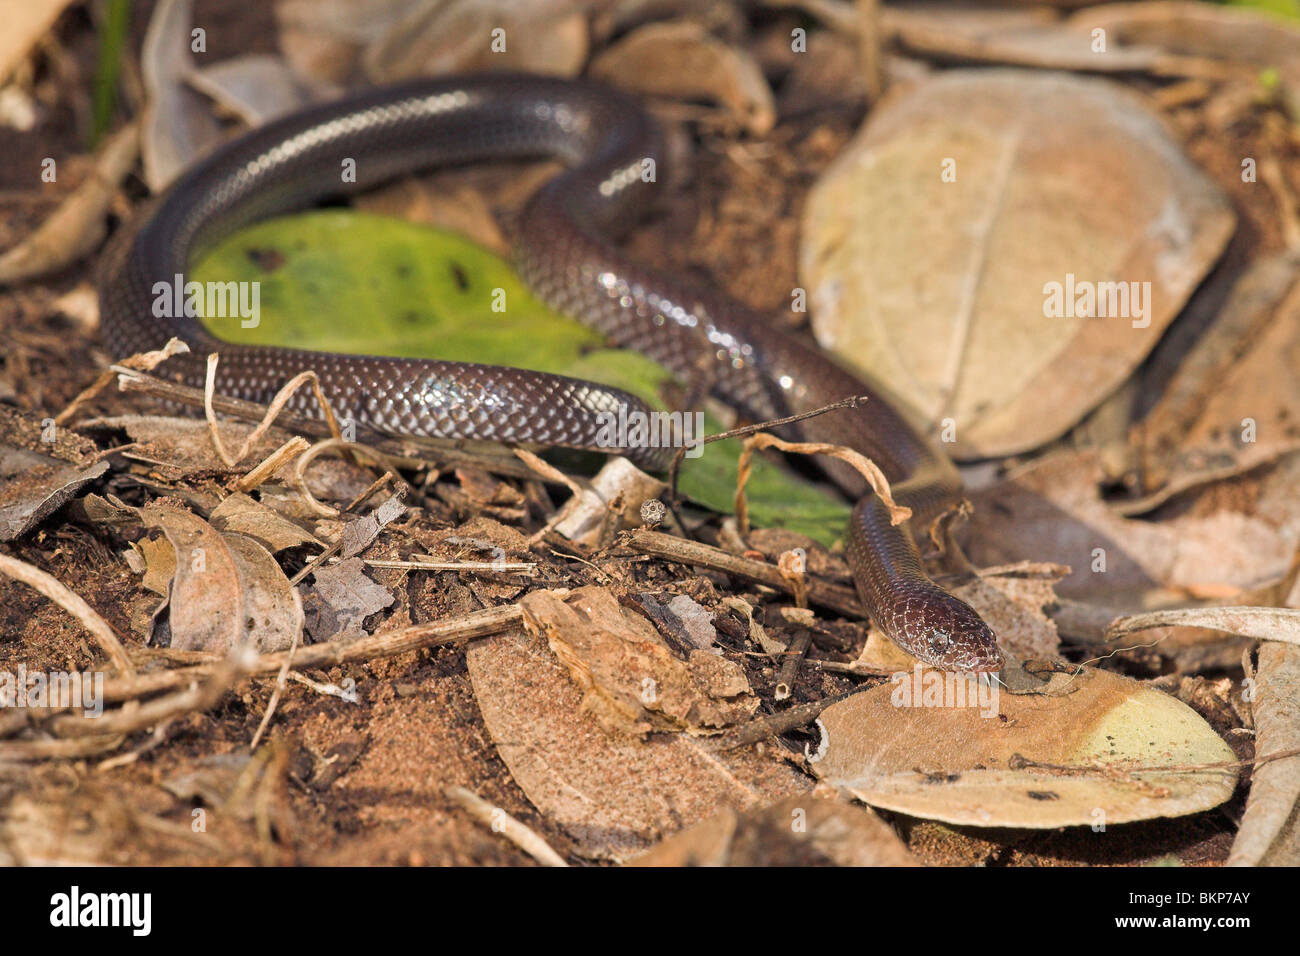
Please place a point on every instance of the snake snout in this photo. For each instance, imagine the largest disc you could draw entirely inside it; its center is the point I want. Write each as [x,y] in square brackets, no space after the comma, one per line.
[949,634]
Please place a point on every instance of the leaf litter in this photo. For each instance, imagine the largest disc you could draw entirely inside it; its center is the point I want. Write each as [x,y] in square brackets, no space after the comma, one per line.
[440,677]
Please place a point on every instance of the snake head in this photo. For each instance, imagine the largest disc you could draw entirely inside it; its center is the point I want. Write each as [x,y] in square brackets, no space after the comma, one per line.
[946,632]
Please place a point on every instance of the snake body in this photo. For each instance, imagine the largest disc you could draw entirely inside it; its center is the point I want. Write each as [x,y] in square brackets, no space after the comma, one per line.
[564,252]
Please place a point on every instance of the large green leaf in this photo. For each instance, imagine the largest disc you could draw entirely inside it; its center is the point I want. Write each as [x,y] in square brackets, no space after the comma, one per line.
[342,281]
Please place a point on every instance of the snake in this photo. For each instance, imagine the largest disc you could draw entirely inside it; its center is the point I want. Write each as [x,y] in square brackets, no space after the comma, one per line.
[567,250]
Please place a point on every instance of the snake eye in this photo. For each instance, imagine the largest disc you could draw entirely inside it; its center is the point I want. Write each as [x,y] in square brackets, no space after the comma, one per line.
[940,641]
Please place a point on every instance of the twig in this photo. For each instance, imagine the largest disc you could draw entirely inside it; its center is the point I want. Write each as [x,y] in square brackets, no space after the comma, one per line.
[280,680]
[771,725]
[795,652]
[823,593]
[142,361]
[498,821]
[53,589]
[482,623]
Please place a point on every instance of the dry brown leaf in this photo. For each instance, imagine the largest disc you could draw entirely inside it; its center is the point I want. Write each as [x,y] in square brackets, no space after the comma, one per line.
[1058,179]
[240,514]
[341,597]
[255,87]
[1267,623]
[1258,38]
[272,614]
[1051,510]
[1270,832]
[808,830]
[1011,37]
[205,599]
[33,487]
[614,795]
[1235,394]
[633,683]
[916,746]
[681,59]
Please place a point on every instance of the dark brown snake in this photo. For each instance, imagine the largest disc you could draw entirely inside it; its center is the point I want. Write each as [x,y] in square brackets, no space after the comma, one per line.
[564,253]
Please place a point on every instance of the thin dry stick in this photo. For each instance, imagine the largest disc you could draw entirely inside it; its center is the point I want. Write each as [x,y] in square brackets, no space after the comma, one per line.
[281,680]
[868,469]
[143,361]
[53,589]
[795,653]
[760,728]
[1019,762]
[822,593]
[290,450]
[374,486]
[465,627]
[498,821]
[199,696]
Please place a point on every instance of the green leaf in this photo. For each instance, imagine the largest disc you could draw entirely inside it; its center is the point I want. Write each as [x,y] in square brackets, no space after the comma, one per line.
[342,281]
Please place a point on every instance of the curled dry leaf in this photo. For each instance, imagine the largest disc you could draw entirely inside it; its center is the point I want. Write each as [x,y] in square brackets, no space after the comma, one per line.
[225,590]
[240,514]
[1236,34]
[205,597]
[178,127]
[33,487]
[808,830]
[683,60]
[1052,510]
[632,682]
[1030,38]
[1270,833]
[271,608]
[615,795]
[1267,623]
[938,746]
[1064,186]
[1232,401]
[255,88]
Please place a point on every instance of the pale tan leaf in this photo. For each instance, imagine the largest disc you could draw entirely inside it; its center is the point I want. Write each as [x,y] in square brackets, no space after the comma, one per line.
[917,746]
[938,289]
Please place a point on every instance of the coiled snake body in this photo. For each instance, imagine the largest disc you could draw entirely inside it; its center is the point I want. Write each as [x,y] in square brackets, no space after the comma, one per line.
[563,253]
